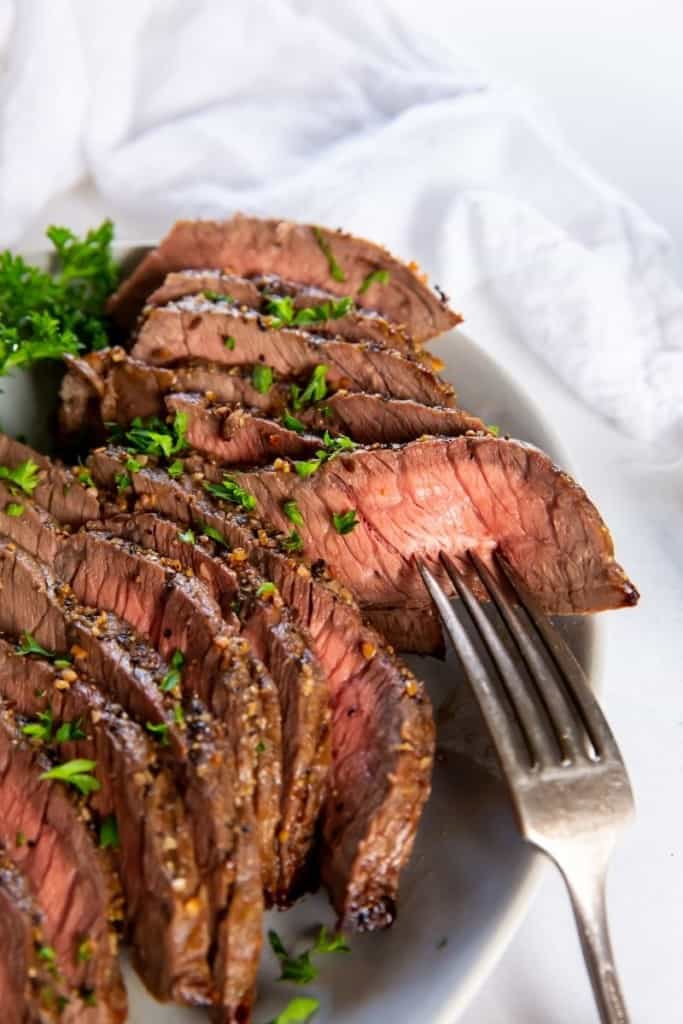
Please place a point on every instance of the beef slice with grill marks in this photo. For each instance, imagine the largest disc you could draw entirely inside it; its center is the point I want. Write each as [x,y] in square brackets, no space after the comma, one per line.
[176,613]
[382,728]
[196,328]
[285,650]
[170,942]
[29,991]
[46,826]
[214,785]
[332,260]
[454,495]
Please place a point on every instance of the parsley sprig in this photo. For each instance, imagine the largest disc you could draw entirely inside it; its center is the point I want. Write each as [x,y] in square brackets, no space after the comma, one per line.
[332,447]
[77,773]
[152,436]
[301,969]
[315,390]
[229,490]
[23,477]
[282,312]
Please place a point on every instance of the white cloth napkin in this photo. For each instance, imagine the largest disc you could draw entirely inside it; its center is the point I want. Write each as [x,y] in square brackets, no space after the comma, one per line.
[346,114]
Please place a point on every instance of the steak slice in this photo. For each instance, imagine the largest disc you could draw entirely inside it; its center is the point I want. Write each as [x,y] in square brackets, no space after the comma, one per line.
[176,613]
[62,495]
[284,648]
[205,763]
[170,944]
[356,324]
[382,728]
[195,328]
[452,495]
[332,260]
[47,830]
[29,992]
[237,436]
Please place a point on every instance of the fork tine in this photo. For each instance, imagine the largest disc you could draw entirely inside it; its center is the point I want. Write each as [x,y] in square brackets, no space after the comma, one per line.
[520,690]
[510,747]
[559,708]
[599,731]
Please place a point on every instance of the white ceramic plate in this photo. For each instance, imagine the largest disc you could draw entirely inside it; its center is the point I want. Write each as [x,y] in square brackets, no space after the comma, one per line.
[470,880]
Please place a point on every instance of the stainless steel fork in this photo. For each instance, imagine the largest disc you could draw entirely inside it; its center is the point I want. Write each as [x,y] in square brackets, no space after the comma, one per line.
[565,774]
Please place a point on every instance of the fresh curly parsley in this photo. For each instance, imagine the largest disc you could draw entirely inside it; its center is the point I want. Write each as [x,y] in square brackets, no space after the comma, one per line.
[23,477]
[152,436]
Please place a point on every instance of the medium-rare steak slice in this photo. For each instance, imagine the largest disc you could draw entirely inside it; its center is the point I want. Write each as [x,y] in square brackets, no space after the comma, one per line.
[382,728]
[62,495]
[196,328]
[281,645]
[451,495]
[216,795]
[70,716]
[333,260]
[177,614]
[324,313]
[46,828]
[29,992]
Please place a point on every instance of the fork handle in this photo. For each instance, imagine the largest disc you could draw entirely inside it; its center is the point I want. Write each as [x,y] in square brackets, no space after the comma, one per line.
[586,887]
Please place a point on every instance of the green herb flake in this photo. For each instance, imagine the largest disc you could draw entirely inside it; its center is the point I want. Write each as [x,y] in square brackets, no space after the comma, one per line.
[330,943]
[376,277]
[329,310]
[262,378]
[293,542]
[291,422]
[212,296]
[187,536]
[213,534]
[70,732]
[176,468]
[154,437]
[307,467]
[229,342]
[123,482]
[47,954]
[109,833]
[23,477]
[62,662]
[132,465]
[266,589]
[260,747]
[29,645]
[230,490]
[280,310]
[494,429]
[293,513]
[172,678]
[298,969]
[298,1011]
[14,510]
[20,839]
[76,773]
[40,728]
[315,390]
[159,730]
[335,270]
[345,522]
[178,714]
[84,476]
[84,952]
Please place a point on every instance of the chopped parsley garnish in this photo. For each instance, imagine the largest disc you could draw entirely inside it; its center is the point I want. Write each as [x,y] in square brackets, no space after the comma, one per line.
[152,436]
[333,446]
[300,969]
[178,714]
[229,342]
[298,1011]
[29,645]
[47,954]
[213,534]
[14,510]
[20,839]
[69,732]
[44,316]
[77,773]
[281,311]
[84,476]
[230,490]
[291,422]
[123,482]
[260,747]
[315,390]
[307,467]
[23,477]
[159,730]
[217,296]
[172,678]
[293,542]
[41,728]
[84,952]
[293,513]
[187,537]
[330,943]
[266,589]
[494,429]
[344,522]
[262,378]
[376,277]
[176,468]
[335,270]
[109,833]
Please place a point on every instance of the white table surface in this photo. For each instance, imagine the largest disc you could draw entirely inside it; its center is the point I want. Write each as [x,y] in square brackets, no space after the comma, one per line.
[540,979]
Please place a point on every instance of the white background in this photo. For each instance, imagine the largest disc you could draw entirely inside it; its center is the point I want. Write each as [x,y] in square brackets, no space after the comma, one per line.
[613,76]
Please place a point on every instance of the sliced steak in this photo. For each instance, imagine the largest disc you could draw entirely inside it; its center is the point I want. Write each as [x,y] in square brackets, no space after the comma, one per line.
[332,260]
[382,728]
[62,496]
[454,495]
[46,828]
[170,944]
[281,645]
[239,437]
[215,785]
[29,992]
[196,328]
[254,293]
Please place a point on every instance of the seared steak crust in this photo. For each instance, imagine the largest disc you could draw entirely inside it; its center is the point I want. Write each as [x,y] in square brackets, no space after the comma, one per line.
[297,252]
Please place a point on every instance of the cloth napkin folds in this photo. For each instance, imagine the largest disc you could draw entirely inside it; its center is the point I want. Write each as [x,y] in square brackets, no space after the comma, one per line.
[346,114]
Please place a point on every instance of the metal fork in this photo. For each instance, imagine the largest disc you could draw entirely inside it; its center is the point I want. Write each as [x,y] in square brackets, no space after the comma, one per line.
[567,779]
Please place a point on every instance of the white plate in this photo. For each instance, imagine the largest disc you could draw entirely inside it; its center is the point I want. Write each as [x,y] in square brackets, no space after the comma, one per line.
[471,878]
